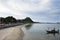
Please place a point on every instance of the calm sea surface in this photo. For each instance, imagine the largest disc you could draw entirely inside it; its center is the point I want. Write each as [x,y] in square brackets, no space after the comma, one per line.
[38,32]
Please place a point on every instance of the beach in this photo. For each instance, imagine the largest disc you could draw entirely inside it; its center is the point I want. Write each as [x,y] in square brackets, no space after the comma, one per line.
[12,33]
[2,26]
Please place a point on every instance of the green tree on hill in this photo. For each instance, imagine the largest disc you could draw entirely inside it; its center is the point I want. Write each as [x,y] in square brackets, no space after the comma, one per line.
[27,20]
[10,19]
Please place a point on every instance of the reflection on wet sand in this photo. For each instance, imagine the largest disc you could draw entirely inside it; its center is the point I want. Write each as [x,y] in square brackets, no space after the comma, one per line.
[28,26]
[13,33]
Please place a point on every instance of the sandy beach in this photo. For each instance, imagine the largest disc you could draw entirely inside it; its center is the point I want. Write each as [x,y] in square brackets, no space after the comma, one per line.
[2,26]
[12,33]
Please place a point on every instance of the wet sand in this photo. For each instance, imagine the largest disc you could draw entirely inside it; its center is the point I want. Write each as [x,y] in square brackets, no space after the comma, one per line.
[13,33]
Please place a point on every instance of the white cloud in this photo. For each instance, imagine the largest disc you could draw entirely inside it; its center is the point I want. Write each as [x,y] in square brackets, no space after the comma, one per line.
[18,7]
[21,8]
[26,5]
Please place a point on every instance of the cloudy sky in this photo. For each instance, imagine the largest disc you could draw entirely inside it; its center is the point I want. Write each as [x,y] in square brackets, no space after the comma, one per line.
[37,10]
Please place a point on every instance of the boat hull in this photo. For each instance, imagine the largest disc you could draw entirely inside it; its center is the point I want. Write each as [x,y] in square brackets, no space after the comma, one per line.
[52,31]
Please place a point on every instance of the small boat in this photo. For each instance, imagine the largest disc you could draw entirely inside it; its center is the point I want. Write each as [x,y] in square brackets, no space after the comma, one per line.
[53,31]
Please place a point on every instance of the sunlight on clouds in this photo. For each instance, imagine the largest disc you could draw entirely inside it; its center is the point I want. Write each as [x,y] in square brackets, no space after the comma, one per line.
[18,7]
[44,1]
[15,6]
[23,8]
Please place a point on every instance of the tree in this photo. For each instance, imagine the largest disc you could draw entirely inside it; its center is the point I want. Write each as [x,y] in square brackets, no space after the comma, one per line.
[10,19]
[2,20]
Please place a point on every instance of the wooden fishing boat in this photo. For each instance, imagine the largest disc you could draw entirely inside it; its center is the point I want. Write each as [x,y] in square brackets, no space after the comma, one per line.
[53,31]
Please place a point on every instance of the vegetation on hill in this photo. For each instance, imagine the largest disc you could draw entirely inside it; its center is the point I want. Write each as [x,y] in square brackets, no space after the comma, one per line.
[11,19]
[27,20]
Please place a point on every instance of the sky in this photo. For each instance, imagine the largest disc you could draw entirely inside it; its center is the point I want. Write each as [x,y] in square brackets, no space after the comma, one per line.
[37,10]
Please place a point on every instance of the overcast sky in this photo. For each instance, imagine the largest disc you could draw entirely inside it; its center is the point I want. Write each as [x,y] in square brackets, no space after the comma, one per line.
[37,10]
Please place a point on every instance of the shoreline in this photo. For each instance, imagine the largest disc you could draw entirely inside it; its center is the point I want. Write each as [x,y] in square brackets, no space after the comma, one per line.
[12,33]
[3,26]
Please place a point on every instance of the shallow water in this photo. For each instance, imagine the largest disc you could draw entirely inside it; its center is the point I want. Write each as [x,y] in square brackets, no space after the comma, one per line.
[38,32]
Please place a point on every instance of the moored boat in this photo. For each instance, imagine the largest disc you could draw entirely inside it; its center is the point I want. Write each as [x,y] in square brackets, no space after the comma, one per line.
[53,31]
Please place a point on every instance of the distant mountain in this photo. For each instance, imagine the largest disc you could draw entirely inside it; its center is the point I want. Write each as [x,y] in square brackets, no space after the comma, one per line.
[27,20]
